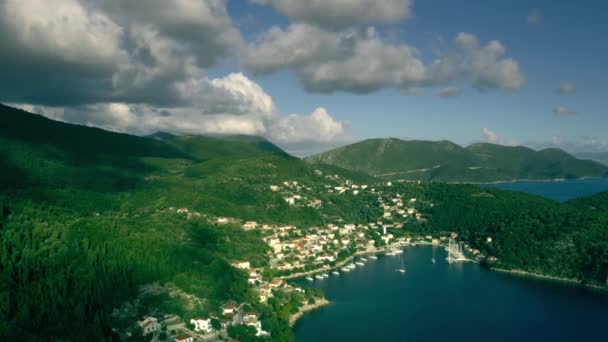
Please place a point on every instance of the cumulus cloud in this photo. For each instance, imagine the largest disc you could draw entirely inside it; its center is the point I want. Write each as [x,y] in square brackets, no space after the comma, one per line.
[563,111]
[484,66]
[236,105]
[362,61]
[489,136]
[450,92]
[339,14]
[566,88]
[534,17]
[85,51]
[138,68]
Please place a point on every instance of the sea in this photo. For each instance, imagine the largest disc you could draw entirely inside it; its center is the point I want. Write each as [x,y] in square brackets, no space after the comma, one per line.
[457,302]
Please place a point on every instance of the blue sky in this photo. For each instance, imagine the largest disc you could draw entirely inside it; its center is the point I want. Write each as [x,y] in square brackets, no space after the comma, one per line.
[310,75]
[568,44]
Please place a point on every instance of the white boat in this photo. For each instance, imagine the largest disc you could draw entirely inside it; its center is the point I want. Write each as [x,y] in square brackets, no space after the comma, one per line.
[398,251]
[318,276]
[373,257]
[402,268]
[363,259]
[335,273]
[433,260]
[345,269]
[359,263]
[325,275]
[309,278]
[351,266]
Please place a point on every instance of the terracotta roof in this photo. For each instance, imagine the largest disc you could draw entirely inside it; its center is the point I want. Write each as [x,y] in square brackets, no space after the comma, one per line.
[182,337]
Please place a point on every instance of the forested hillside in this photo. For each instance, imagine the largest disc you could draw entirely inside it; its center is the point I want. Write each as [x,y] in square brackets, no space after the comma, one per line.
[447,162]
[89,215]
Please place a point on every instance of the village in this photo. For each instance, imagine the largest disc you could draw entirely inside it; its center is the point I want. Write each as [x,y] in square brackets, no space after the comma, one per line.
[296,252]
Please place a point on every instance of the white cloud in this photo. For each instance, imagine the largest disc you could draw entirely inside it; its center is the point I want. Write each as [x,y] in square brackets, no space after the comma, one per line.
[489,136]
[564,111]
[566,88]
[229,105]
[74,52]
[136,67]
[363,61]
[319,126]
[534,17]
[338,14]
[450,92]
[484,66]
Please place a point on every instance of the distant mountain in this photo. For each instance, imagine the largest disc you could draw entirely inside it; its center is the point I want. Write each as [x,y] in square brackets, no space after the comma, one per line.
[600,157]
[445,161]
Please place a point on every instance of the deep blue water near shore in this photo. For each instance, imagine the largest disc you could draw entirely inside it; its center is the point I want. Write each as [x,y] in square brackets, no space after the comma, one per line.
[558,190]
[458,302]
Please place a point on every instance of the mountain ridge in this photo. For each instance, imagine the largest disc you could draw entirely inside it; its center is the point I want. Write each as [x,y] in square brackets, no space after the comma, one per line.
[447,161]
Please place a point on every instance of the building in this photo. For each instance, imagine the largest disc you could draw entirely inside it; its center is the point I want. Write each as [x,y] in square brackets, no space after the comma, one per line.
[201,324]
[242,264]
[149,325]
[275,282]
[249,225]
[229,308]
[184,338]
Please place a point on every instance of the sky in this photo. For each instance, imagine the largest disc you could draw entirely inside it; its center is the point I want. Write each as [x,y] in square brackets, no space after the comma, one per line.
[310,75]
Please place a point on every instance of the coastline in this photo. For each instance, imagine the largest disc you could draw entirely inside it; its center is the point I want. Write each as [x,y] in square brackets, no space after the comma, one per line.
[341,263]
[320,302]
[548,180]
[526,274]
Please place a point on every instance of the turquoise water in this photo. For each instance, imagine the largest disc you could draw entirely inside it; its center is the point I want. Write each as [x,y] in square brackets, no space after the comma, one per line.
[558,190]
[443,302]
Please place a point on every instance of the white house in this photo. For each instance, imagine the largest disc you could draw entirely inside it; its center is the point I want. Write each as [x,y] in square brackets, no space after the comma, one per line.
[250,225]
[149,325]
[242,264]
[229,308]
[201,324]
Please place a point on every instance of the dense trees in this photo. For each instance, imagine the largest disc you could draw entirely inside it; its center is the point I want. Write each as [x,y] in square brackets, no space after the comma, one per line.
[528,232]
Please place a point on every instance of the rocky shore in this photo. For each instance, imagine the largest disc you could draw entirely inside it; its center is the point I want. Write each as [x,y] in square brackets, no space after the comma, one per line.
[320,302]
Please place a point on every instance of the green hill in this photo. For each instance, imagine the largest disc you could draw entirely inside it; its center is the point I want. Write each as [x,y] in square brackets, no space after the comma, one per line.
[445,161]
[600,157]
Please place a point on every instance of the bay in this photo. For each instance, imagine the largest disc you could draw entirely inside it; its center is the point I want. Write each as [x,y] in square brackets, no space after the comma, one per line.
[560,191]
[456,302]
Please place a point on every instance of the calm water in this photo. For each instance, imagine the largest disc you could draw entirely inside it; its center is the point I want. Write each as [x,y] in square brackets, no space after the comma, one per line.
[442,302]
[558,190]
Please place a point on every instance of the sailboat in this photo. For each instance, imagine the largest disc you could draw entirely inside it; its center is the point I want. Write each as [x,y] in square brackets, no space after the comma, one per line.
[402,269]
[433,260]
